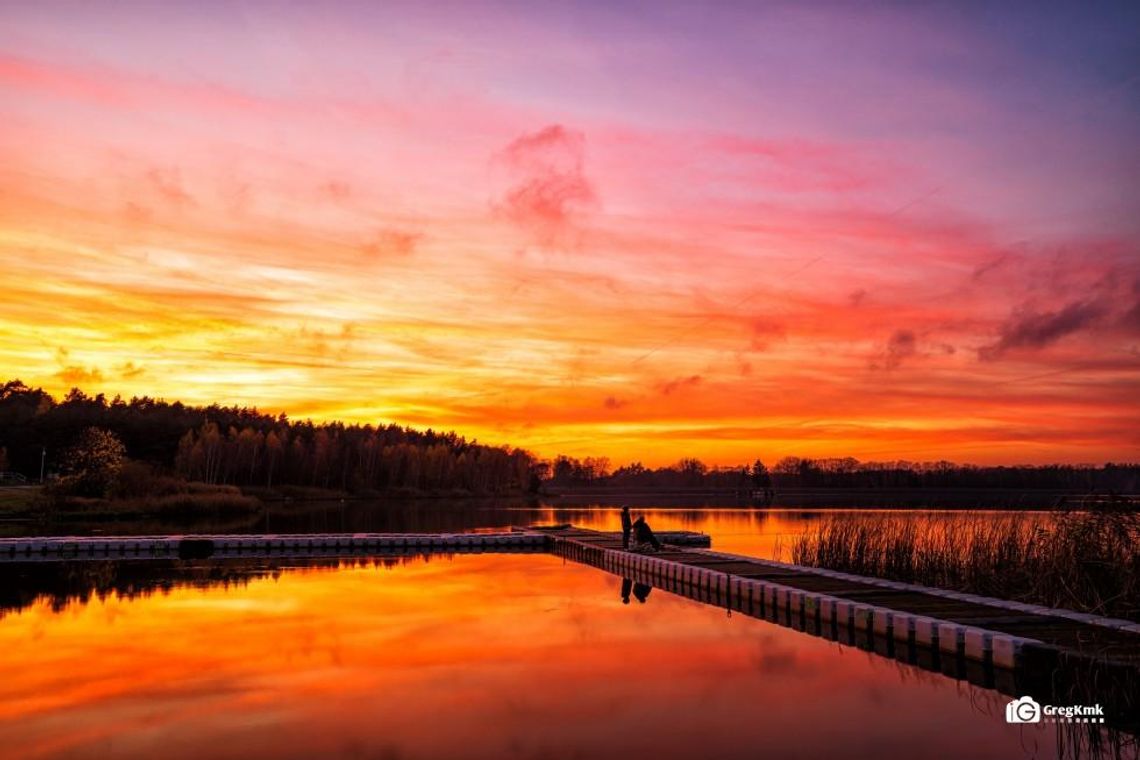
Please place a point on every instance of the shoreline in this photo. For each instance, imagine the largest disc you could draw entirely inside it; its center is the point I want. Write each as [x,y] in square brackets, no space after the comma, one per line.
[26,503]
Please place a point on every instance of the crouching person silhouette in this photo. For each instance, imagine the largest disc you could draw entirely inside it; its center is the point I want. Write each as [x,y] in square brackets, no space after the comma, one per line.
[643,536]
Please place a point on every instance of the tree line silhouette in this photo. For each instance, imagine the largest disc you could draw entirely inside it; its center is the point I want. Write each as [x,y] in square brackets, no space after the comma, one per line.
[243,447]
[240,446]
[843,473]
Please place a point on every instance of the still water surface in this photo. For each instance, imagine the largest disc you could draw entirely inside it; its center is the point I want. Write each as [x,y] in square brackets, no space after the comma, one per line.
[765,533]
[469,656]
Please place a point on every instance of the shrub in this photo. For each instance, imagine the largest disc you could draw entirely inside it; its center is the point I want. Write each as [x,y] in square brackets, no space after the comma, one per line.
[137,480]
[92,463]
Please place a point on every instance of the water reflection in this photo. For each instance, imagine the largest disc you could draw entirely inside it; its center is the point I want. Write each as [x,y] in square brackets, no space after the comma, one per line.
[640,591]
[62,584]
[525,655]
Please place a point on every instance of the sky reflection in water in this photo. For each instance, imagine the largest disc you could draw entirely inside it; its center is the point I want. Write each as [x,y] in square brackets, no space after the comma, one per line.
[483,656]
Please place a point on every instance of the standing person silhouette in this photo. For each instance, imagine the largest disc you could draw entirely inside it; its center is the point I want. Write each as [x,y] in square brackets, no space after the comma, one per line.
[626,527]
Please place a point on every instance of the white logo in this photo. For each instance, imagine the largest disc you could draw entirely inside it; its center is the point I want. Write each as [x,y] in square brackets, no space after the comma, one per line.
[1024,710]
[1027,710]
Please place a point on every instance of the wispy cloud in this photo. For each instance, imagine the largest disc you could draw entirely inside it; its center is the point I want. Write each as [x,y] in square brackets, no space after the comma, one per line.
[677,384]
[1032,330]
[902,345]
[380,232]
[549,186]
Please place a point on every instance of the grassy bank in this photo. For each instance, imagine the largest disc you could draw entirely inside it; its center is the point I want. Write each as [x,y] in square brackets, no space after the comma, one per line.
[1087,561]
[20,501]
[197,499]
[192,499]
[314,494]
[148,495]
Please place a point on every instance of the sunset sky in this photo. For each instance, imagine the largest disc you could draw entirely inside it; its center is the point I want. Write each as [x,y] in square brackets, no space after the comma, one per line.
[643,231]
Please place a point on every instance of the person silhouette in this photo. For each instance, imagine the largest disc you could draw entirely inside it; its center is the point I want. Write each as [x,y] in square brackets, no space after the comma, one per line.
[626,584]
[626,527]
[641,592]
[643,534]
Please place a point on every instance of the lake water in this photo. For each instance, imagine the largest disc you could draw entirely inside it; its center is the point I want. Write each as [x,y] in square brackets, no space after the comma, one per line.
[468,656]
[756,532]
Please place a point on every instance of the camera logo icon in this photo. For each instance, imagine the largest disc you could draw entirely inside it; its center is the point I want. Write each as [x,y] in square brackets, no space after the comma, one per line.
[1024,710]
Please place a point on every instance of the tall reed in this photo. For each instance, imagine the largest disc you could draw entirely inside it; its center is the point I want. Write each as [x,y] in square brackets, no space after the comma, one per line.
[1083,560]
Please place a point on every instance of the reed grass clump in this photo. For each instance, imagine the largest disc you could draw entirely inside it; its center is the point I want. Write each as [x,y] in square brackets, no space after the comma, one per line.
[210,502]
[1083,560]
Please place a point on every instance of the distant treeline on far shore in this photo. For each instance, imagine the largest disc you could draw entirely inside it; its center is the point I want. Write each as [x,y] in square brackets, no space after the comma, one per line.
[239,446]
[844,473]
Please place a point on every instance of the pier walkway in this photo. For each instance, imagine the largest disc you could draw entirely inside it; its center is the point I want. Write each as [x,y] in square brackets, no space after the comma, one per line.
[992,632]
[284,545]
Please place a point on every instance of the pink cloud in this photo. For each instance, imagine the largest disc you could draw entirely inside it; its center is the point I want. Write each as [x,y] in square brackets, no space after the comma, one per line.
[549,188]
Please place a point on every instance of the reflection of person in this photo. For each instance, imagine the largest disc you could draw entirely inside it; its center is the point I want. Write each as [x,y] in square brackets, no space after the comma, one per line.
[626,527]
[643,534]
[626,584]
[641,591]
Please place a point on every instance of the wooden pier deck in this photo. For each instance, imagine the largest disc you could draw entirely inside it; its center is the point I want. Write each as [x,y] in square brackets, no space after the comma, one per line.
[991,632]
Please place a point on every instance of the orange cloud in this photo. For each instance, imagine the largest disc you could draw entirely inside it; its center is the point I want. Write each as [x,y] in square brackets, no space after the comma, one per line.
[375,253]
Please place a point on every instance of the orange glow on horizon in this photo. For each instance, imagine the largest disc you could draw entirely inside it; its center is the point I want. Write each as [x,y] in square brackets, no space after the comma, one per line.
[557,256]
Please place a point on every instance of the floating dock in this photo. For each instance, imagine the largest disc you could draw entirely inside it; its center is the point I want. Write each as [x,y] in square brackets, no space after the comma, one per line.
[992,632]
[300,545]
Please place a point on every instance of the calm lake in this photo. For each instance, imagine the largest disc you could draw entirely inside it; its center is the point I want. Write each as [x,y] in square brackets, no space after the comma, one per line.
[756,532]
[466,656]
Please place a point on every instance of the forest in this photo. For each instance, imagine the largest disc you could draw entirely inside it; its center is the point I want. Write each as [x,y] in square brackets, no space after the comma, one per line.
[145,438]
[243,447]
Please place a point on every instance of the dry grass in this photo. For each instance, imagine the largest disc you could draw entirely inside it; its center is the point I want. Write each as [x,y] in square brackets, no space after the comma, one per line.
[169,499]
[225,500]
[20,500]
[1088,561]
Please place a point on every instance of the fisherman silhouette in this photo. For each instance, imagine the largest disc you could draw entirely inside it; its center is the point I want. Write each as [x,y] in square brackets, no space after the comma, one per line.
[641,592]
[626,527]
[626,585]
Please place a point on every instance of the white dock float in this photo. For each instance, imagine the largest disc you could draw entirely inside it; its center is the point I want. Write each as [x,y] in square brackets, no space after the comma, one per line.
[926,632]
[977,643]
[951,637]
